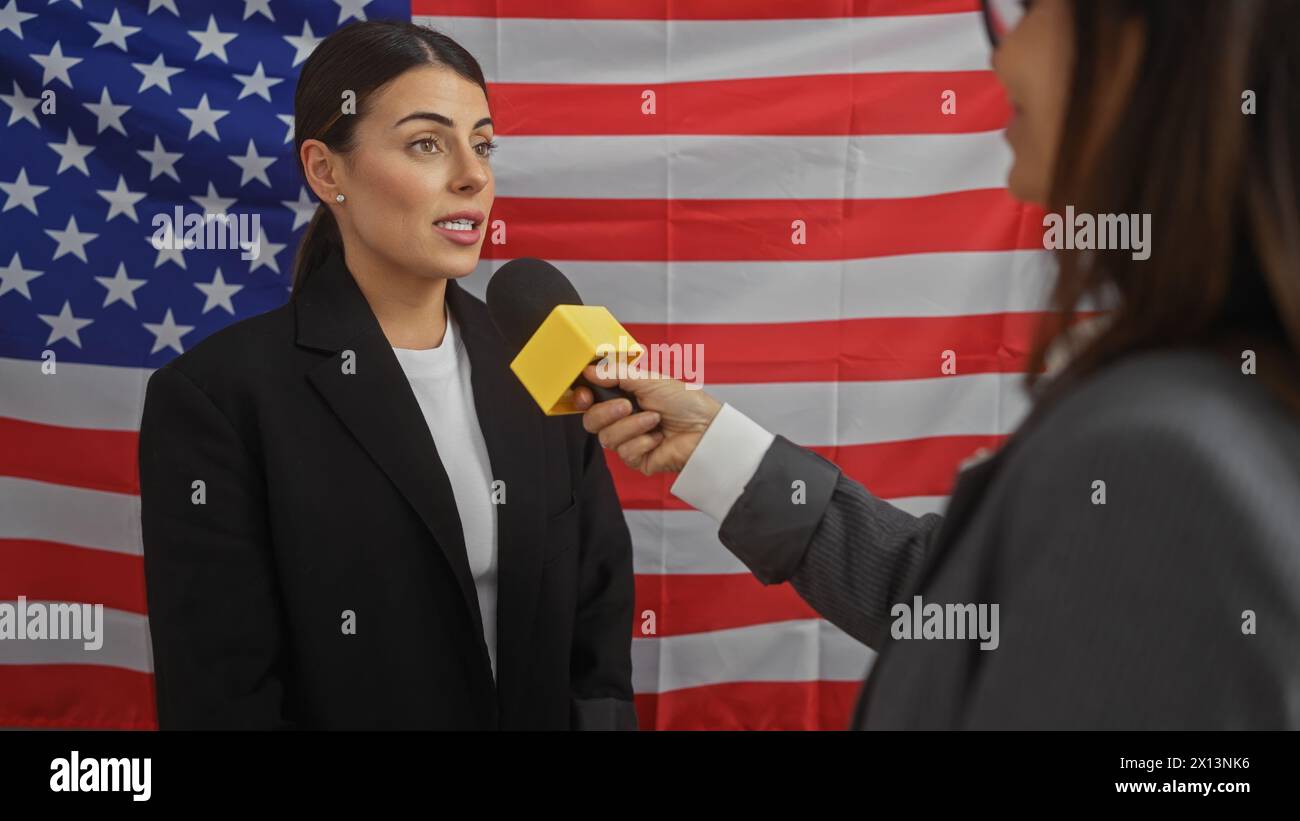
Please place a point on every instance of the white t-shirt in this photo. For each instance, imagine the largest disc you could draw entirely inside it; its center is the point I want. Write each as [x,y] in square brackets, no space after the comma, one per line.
[440,378]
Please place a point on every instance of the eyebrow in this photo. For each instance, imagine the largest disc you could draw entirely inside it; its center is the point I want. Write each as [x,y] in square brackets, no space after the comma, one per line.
[438,118]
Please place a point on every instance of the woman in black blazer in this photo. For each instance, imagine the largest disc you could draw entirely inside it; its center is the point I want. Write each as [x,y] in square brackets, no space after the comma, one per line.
[310,560]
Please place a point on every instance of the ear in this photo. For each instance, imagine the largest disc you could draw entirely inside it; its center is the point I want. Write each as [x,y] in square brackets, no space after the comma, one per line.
[322,168]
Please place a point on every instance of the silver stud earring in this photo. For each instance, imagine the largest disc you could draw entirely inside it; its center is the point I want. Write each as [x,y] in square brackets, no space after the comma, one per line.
[340,198]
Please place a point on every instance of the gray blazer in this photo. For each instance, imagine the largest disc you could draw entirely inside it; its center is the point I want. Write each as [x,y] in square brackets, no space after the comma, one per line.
[1127,614]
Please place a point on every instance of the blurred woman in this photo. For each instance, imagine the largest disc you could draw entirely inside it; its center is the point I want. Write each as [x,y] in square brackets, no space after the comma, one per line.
[1139,534]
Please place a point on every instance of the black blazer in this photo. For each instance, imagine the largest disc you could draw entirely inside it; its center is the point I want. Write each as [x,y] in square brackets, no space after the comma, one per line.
[323,495]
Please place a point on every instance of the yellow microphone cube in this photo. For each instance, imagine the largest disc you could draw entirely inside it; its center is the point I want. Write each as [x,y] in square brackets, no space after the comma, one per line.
[568,340]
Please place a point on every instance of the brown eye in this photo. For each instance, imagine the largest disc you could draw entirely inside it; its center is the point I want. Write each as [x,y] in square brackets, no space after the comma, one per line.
[426,145]
[486,149]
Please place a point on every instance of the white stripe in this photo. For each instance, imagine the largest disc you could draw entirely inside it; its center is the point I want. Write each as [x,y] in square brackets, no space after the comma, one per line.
[911,285]
[809,413]
[686,541]
[69,515]
[75,395]
[734,167]
[921,505]
[788,651]
[527,50]
[849,413]
[125,644]
[803,650]
[664,541]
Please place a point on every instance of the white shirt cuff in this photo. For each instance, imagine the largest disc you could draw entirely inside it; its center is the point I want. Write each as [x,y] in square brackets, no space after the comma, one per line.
[724,461]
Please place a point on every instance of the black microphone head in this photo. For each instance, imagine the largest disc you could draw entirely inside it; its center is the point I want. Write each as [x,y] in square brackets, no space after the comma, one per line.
[522,293]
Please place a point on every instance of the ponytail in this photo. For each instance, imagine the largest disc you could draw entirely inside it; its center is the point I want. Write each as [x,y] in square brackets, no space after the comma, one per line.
[318,241]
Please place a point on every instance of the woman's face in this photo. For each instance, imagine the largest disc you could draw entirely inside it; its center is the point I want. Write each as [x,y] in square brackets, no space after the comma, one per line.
[1035,63]
[420,157]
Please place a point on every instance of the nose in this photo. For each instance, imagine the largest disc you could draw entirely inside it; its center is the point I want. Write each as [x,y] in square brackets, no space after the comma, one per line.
[472,173]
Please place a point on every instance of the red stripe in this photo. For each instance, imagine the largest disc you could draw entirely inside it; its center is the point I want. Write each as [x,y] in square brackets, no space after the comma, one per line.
[70,696]
[52,571]
[916,467]
[693,10]
[94,697]
[697,603]
[833,105]
[849,350]
[761,230]
[890,470]
[814,705]
[80,457]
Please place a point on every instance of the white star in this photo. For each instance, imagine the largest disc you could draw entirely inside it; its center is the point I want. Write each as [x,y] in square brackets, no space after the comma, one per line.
[106,114]
[157,73]
[120,287]
[167,253]
[218,292]
[203,120]
[76,3]
[170,5]
[304,44]
[121,200]
[72,154]
[212,41]
[160,161]
[11,19]
[56,65]
[22,193]
[287,119]
[213,203]
[352,8]
[257,83]
[16,277]
[71,241]
[113,32]
[64,326]
[21,107]
[253,166]
[167,334]
[266,251]
[302,210]
[262,7]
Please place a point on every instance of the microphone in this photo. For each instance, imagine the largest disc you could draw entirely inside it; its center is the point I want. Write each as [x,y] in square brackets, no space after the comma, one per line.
[552,335]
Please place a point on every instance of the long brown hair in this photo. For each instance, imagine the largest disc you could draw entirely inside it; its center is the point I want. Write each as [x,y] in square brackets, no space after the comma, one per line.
[360,57]
[1221,186]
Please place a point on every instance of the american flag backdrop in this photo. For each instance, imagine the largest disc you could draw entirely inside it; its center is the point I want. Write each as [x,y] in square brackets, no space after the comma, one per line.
[665,155]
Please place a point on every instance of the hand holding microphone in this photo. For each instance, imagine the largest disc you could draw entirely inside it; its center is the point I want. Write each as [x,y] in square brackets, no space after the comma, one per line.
[663,435]
[653,423]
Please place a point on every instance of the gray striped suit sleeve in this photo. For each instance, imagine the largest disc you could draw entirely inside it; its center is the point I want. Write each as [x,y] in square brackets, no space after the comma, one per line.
[849,554]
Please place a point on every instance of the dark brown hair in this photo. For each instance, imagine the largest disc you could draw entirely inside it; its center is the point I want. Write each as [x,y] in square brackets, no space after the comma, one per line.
[1220,184]
[360,57]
